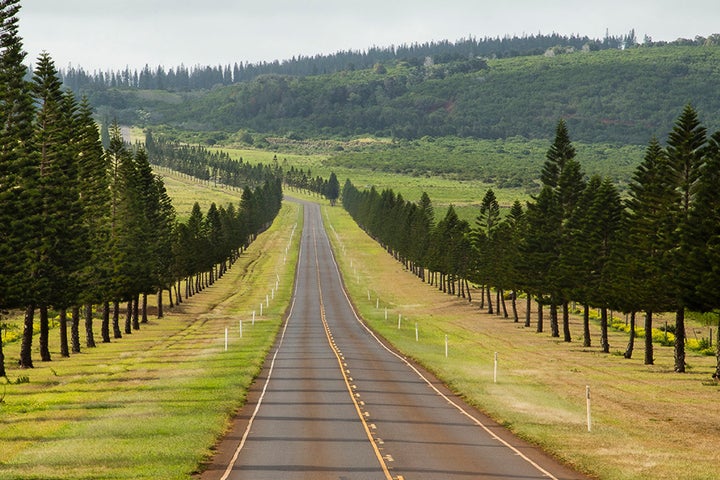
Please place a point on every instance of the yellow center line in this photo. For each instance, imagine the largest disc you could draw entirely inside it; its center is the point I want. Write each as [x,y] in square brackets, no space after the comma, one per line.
[349,387]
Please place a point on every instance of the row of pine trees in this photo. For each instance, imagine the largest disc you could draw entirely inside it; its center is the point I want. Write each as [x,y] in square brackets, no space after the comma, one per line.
[84,228]
[578,241]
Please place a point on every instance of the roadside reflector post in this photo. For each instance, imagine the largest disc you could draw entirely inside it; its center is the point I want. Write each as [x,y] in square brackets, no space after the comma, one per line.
[261,306]
[417,337]
[240,325]
[399,320]
[226,339]
[587,399]
[495,368]
[253,318]
[368,294]
[446,346]
[385,313]
[377,303]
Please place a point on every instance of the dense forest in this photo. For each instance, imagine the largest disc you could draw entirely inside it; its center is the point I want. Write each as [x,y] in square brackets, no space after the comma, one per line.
[84,228]
[182,78]
[577,240]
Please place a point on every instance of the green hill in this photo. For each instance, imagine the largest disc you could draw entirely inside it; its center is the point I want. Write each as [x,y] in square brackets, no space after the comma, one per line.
[615,96]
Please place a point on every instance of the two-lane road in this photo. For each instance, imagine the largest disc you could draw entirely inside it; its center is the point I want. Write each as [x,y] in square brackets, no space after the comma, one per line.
[334,403]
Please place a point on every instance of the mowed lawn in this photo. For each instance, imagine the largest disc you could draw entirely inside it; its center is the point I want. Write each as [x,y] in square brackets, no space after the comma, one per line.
[647,421]
[152,404]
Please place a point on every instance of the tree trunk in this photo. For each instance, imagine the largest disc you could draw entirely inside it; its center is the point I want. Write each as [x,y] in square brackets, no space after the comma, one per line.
[44,334]
[160,313]
[649,360]
[513,298]
[554,327]
[467,287]
[504,305]
[604,343]
[75,330]
[489,300]
[178,297]
[105,328]
[64,350]
[586,326]
[680,340]
[128,318]
[498,296]
[566,321]
[90,337]
[540,316]
[144,318]
[116,319]
[631,342]
[136,313]
[3,373]
[528,309]
[26,346]
[716,375]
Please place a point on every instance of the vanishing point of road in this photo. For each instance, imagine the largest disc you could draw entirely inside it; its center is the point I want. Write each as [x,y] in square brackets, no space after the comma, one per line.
[333,402]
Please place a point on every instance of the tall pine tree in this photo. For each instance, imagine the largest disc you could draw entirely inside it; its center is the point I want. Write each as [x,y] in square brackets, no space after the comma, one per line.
[19,190]
[685,149]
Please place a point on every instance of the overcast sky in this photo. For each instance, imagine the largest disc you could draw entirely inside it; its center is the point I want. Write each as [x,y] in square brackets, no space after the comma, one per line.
[115,33]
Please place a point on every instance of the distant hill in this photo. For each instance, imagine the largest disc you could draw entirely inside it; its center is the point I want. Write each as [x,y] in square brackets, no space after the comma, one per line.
[611,95]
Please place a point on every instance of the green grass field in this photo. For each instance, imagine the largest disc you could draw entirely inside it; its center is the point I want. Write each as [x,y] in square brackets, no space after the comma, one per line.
[466,196]
[152,404]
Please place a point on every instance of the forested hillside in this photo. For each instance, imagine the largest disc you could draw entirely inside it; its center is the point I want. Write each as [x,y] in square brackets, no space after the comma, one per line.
[617,96]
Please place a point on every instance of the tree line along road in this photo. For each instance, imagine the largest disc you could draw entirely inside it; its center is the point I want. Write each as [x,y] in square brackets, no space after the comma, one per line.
[334,402]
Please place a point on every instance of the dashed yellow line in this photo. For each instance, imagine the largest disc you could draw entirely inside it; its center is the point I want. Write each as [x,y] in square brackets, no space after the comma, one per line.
[353,395]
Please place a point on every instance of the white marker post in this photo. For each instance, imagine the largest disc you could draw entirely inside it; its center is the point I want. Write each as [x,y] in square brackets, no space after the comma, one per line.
[377,303]
[226,339]
[272,294]
[587,398]
[399,320]
[417,336]
[495,368]
[446,346]
[261,306]
[253,320]
[386,313]
[368,295]
[267,300]
[240,325]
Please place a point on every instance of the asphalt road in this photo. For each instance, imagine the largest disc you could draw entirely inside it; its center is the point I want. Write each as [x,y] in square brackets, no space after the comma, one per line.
[333,402]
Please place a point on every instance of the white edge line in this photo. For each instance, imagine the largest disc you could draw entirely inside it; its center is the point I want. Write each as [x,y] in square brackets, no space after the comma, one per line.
[419,374]
[231,464]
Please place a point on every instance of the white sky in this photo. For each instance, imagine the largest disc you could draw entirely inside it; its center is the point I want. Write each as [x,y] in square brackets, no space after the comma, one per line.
[114,33]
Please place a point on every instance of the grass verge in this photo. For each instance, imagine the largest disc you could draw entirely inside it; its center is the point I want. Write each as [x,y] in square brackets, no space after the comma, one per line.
[152,404]
[647,422]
